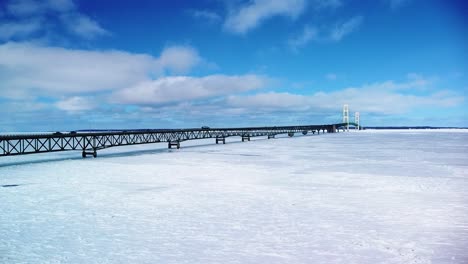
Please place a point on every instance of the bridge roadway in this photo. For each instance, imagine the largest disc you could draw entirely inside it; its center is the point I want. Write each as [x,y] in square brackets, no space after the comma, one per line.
[89,142]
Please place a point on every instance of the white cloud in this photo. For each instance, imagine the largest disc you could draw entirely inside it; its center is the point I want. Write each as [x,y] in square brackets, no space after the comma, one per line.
[374,99]
[28,69]
[379,98]
[346,28]
[320,4]
[18,29]
[179,59]
[76,104]
[60,5]
[24,7]
[22,106]
[325,33]
[68,16]
[249,16]
[271,100]
[185,88]
[307,35]
[411,83]
[205,15]
[83,26]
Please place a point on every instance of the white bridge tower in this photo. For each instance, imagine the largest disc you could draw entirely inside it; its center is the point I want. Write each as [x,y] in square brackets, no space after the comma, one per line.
[346,116]
[356,120]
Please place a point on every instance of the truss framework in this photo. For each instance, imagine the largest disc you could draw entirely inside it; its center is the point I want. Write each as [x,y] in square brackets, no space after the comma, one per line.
[90,142]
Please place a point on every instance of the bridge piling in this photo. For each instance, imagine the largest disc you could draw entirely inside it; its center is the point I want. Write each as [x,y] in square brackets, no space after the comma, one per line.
[220,139]
[331,129]
[91,153]
[245,137]
[171,144]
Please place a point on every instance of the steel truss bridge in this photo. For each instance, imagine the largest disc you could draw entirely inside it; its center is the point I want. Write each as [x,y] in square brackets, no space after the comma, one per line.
[89,142]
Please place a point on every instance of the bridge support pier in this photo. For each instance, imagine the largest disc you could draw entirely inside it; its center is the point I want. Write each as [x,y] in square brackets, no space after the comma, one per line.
[244,138]
[271,136]
[86,153]
[220,139]
[171,144]
[331,129]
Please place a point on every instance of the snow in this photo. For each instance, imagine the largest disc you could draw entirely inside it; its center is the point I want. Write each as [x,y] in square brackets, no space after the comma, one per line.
[357,197]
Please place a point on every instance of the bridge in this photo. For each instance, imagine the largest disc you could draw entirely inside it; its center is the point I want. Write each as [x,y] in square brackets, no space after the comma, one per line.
[89,142]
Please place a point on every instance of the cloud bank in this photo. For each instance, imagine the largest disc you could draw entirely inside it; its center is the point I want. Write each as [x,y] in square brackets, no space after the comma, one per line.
[185,88]
[74,76]
[387,98]
[30,69]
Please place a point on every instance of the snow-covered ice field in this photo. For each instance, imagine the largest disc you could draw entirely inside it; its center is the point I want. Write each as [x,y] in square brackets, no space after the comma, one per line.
[357,197]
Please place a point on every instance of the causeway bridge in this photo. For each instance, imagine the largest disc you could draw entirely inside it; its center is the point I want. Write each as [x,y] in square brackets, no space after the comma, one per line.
[89,142]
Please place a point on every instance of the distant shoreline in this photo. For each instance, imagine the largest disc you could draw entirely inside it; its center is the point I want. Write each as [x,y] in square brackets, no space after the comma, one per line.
[413,127]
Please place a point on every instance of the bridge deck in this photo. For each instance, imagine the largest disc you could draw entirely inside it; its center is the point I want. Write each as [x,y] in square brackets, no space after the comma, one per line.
[89,142]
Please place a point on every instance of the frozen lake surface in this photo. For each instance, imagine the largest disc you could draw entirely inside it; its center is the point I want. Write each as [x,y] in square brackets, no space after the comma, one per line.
[357,197]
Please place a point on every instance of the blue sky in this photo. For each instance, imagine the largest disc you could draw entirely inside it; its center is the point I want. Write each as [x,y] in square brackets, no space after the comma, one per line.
[67,65]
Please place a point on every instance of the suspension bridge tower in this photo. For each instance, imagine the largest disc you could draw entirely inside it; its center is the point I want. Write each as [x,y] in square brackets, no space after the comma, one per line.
[356,120]
[346,116]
